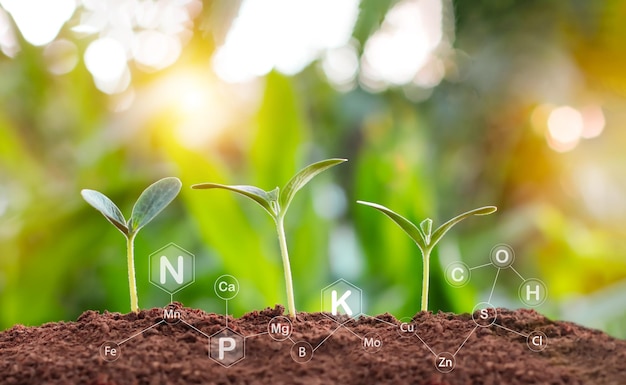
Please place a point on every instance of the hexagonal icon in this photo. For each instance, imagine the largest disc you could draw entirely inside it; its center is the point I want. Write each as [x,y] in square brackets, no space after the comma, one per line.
[227,347]
[171,268]
[342,297]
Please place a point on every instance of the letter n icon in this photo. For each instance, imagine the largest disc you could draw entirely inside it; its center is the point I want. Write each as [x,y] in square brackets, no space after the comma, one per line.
[165,265]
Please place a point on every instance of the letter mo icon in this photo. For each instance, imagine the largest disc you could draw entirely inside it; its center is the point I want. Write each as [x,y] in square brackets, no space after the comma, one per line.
[372,342]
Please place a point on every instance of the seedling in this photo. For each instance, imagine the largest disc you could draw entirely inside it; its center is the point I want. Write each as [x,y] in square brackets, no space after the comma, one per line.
[276,203]
[424,238]
[150,203]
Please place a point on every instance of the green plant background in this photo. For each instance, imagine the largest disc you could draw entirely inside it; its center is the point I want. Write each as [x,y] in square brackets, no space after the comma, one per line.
[468,144]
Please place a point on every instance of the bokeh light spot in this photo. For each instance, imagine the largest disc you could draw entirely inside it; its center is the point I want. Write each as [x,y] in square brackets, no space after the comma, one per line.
[61,56]
[565,127]
[8,42]
[258,40]
[105,59]
[594,121]
[39,21]
[402,46]
[155,49]
[340,66]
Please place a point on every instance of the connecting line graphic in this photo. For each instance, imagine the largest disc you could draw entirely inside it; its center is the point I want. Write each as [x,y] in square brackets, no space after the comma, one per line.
[331,333]
[511,330]
[465,340]
[518,274]
[532,292]
[494,285]
[227,346]
[141,332]
[425,344]
[195,328]
[478,267]
[226,313]
[255,335]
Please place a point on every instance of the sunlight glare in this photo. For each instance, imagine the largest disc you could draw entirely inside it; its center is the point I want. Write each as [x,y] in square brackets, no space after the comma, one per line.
[202,118]
[206,108]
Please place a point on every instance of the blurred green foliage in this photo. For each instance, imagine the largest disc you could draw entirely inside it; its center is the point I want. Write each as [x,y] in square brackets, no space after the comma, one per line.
[468,142]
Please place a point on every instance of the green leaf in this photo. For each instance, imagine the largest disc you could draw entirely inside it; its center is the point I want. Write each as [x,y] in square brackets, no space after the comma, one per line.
[106,206]
[152,201]
[427,227]
[261,197]
[302,178]
[446,226]
[406,225]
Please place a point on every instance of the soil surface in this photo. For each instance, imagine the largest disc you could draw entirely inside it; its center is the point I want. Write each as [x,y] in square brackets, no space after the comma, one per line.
[149,350]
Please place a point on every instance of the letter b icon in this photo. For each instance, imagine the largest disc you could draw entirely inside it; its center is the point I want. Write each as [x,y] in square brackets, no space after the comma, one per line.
[301,352]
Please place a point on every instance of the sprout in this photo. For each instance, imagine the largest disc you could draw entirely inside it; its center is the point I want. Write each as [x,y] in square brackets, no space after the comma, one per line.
[150,203]
[276,203]
[425,238]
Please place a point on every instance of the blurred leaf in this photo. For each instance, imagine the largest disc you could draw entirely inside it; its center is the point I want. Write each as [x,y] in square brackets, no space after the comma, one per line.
[371,15]
[106,206]
[302,178]
[280,133]
[236,242]
[152,201]
[260,196]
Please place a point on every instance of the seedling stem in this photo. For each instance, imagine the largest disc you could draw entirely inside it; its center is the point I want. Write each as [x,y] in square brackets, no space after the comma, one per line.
[130,259]
[276,202]
[150,203]
[282,240]
[424,238]
[425,279]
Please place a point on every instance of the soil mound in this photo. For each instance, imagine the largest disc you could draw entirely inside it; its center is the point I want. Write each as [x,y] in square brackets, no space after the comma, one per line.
[368,350]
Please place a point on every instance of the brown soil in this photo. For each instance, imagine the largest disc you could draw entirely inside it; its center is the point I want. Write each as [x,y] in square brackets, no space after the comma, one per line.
[69,352]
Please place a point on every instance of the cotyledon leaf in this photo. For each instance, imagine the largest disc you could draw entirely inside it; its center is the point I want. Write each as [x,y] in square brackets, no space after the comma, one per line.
[106,206]
[152,201]
[262,197]
[406,225]
[446,226]
[302,178]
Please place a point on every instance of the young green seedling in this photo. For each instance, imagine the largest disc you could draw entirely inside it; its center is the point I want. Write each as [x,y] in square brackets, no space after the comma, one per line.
[150,203]
[425,238]
[276,203]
